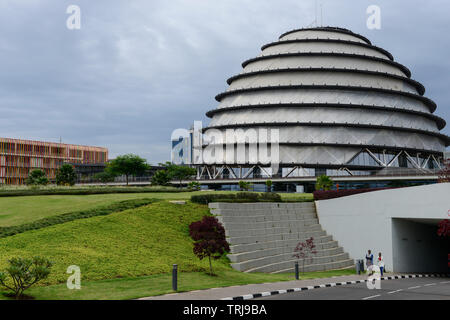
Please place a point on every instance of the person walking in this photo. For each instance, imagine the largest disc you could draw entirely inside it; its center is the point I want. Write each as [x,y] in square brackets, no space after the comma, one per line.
[380,262]
[369,258]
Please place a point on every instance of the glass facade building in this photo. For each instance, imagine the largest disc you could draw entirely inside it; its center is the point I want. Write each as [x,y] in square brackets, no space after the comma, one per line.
[19,157]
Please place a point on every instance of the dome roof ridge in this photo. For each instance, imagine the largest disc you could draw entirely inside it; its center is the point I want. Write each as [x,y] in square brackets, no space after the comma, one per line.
[328,28]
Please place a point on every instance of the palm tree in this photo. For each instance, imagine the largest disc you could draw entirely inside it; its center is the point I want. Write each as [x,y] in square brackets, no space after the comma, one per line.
[324,183]
[244,185]
[269,185]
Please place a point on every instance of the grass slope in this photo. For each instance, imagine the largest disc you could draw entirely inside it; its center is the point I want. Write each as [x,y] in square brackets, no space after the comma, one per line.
[20,210]
[128,255]
[132,243]
[71,216]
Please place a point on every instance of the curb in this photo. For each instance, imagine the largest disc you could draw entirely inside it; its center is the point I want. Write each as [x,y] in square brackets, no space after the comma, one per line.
[328,285]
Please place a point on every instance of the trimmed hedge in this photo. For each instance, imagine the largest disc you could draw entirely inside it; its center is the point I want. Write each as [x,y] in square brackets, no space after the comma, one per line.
[85,191]
[332,194]
[67,217]
[240,197]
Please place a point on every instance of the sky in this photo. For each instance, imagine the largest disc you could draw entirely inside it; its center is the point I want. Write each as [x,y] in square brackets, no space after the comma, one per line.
[136,70]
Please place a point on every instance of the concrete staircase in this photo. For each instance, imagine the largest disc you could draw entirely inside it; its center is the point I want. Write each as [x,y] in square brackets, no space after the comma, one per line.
[263,237]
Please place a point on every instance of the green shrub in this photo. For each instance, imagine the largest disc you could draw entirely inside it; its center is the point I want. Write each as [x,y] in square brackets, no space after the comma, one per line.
[104,177]
[240,197]
[270,197]
[37,178]
[248,195]
[66,217]
[66,175]
[207,198]
[161,178]
[24,273]
[83,191]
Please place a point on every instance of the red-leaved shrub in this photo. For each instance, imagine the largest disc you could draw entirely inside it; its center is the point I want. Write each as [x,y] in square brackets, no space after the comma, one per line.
[209,239]
[444,228]
[331,194]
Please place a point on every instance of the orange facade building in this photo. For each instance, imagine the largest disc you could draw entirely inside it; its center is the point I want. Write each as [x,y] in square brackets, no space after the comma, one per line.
[19,157]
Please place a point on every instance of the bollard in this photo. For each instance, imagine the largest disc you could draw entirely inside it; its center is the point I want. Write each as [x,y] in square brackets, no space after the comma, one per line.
[296,271]
[174,277]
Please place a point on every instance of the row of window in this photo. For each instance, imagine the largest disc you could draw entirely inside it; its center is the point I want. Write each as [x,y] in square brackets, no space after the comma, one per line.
[394,161]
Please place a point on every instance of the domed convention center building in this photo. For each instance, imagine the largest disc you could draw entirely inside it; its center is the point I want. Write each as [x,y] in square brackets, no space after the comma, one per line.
[342,107]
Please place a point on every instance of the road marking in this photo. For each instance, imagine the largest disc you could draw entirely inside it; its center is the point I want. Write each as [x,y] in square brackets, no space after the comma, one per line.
[445,282]
[430,284]
[367,298]
[395,291]
[411,288]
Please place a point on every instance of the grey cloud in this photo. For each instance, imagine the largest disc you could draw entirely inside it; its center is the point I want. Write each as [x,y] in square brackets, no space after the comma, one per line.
[139,69]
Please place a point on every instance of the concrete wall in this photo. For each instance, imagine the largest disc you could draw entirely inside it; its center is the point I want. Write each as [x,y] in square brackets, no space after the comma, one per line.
[364,221]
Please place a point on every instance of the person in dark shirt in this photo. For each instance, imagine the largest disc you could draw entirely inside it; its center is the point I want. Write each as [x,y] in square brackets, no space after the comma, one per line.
[369,258]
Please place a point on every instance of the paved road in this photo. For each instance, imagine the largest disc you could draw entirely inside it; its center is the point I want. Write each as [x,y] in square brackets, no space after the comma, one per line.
[399,289]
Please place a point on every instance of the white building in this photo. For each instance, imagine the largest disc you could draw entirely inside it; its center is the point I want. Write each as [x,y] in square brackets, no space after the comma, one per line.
[401,223]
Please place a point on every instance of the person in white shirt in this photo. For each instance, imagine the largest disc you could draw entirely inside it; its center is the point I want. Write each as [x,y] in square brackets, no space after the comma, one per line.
[380,263]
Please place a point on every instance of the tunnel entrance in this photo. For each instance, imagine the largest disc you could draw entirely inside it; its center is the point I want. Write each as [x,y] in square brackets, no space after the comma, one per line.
[416,247]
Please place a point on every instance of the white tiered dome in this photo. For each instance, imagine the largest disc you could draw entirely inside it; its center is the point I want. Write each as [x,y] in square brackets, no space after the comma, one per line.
[333,95]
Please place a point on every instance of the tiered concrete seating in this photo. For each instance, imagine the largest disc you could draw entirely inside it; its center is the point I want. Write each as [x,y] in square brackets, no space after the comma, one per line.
[263,237]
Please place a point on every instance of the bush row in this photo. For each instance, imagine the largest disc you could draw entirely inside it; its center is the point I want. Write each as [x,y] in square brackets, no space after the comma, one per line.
[67,217]
[237,197]
[331,194]
[84,191]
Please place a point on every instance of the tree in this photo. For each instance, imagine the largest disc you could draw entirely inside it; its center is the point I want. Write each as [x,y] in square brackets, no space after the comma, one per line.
[104,177]
[24,273]
[161,178]
[194,185]
[179,173]
[244,185]
[444,174]
[305,250]
[324,183]
[209,239]
[66,175]
[37,177]
[128,165]
[269,185]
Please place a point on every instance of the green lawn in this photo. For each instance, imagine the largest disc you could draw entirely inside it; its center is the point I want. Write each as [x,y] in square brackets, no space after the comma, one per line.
[132,243]
[127,254]
[20,210]
[133,288]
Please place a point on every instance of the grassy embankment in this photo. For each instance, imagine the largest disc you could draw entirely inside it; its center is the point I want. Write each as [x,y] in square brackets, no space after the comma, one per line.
[20,210]
[123,255]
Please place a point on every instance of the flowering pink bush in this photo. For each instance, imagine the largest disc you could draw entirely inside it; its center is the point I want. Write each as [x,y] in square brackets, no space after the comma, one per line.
[305,250]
